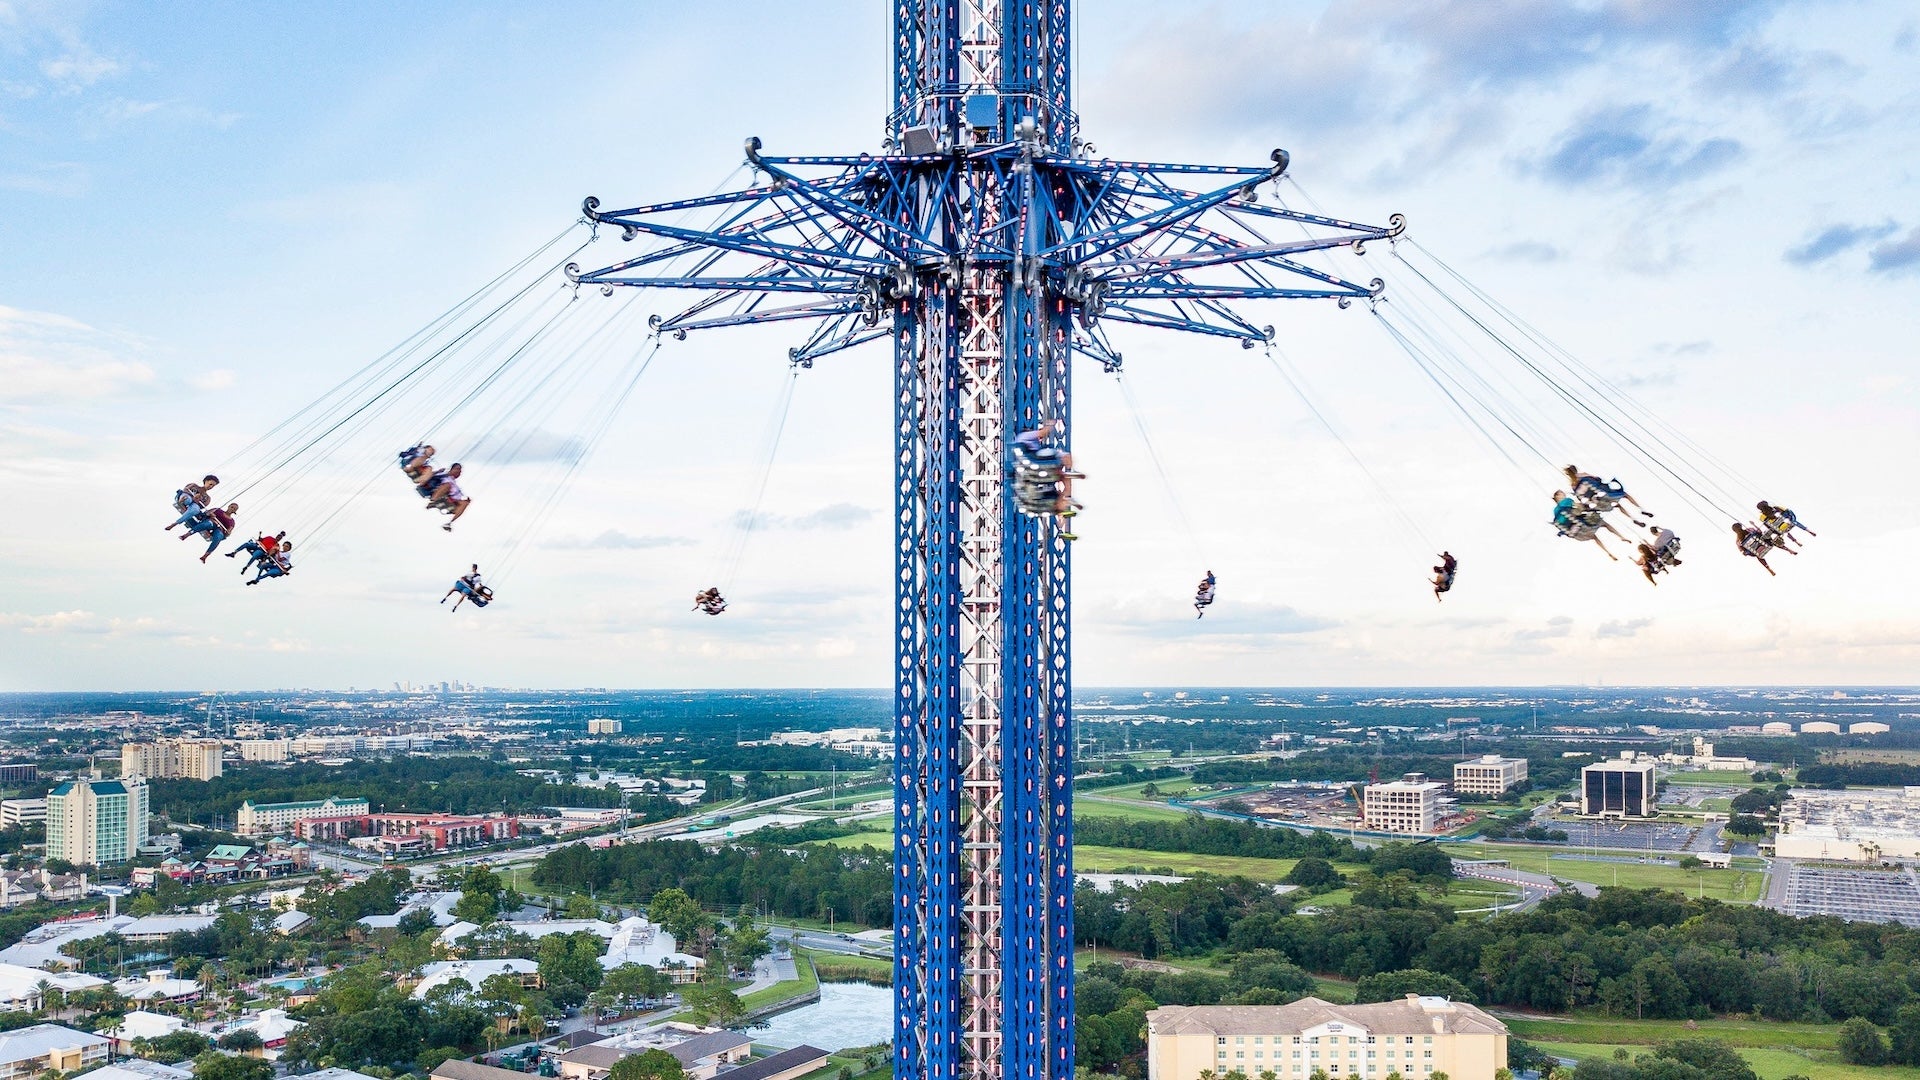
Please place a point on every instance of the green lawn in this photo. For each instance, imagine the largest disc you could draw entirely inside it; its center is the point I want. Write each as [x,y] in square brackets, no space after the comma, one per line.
[807,983]
[831,967]
[1770,1063]
[1092,805]
[1109,860]
[1168,789]
[1737,885]
[880,838]
[1610,1030]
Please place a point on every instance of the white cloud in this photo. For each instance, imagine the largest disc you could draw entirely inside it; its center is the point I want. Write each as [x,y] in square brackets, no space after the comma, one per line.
[48,357]
[78,69]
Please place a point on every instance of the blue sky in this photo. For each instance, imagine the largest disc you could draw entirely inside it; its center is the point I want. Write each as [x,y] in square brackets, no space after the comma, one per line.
[209,214]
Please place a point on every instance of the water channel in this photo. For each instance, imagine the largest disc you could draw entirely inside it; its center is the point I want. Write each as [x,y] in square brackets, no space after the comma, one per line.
[847,1014]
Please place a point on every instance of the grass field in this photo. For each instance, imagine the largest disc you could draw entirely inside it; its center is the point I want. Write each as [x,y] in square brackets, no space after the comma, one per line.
[1613,1030]
[1102,805]
[1737,885]
[880,838]
[1109,859]
[1171,788]
[1770,1063]
[831,967]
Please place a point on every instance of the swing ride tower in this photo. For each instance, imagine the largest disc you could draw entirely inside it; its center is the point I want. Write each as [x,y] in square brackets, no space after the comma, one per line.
[988,245]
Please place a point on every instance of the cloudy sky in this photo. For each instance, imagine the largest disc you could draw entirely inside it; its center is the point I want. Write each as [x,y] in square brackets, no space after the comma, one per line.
[210,214]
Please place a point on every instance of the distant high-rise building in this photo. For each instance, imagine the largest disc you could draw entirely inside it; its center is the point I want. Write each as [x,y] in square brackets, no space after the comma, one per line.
[190,759]
[266,749]
[603,726]
[1620,787]
[97,822]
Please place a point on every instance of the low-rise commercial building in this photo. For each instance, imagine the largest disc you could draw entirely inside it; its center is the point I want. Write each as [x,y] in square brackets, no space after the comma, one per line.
[1411,804]
[259,819]
[1850,826]
[1489,774]
[17,812]
[1415,1037]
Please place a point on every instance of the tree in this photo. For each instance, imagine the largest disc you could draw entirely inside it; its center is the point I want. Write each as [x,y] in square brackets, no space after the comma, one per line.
[1904,1035]
[1395,985]
[1312,873]
[171,1049]
[1861,1044]
[214,1065]
[678,914]
[745,944]
[1712,1057]
[480,893]
[712,1003]
[241,1041]
[582,907]
[647,1065]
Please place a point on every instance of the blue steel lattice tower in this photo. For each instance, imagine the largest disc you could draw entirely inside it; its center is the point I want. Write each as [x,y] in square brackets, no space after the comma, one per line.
[989,246]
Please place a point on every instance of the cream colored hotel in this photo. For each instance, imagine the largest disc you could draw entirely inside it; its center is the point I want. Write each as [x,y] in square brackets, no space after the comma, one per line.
[1415,1037]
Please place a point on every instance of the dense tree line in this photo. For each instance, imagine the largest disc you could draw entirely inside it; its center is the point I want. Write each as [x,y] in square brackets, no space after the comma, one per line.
[444,785]
[812,882]
[1215,836]
[1111,1002]
[1546,769]
[1638,953]
[1860,773]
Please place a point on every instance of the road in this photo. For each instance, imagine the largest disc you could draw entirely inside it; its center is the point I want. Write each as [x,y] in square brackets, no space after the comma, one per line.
[658,830]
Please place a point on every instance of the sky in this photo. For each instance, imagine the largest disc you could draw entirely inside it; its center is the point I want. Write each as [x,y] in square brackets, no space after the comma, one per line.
[209,214]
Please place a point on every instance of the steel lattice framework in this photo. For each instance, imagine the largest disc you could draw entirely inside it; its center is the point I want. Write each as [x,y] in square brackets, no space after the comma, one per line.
[990,246]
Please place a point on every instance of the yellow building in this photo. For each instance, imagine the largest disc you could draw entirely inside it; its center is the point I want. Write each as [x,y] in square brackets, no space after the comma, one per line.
[1415,1037]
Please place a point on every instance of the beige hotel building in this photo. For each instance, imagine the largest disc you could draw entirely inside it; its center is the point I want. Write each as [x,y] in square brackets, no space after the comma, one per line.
[1415,1037]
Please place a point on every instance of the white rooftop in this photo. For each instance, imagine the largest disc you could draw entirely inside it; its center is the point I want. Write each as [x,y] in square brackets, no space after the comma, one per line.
[166,924]
[41,947]
[472,972]
[137,1069]
[29,1043]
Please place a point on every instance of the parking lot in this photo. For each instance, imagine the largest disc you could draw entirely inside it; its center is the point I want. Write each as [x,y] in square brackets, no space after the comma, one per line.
[1856,895]
[1626,836]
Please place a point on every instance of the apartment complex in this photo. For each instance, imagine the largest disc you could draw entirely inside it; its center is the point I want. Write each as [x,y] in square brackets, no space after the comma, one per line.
[408,834]
[188,759]
[1411,804]
[30,1051]
[1619,788]
[96,822]
[603,726]
[1415,1037]
[260,819]
[1489,774]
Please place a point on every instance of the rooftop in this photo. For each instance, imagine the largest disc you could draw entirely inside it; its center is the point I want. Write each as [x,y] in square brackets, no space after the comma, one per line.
[802,1056]
[1409,1015]
[29,1043]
